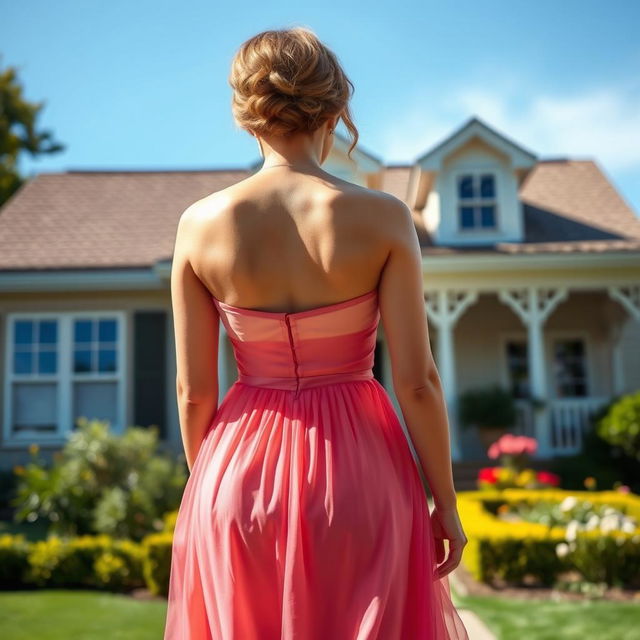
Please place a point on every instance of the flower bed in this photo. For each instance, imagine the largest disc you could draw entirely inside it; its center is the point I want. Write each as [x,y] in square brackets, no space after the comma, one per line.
[522,551]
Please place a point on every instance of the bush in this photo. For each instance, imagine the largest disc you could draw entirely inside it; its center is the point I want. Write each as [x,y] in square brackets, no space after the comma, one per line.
[521,550]
[101,483]
[14,560]
[621,425]
[86,561]
[157,562]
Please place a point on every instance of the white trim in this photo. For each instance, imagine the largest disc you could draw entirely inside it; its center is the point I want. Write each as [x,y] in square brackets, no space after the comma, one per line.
[478,261]
[550,336]
[64,377]
[152,278]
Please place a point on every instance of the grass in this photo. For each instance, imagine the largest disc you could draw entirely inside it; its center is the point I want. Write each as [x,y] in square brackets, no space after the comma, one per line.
[547,620]
[58,614]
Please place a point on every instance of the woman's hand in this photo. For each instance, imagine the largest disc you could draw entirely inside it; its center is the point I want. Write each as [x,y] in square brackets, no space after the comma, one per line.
[446,525]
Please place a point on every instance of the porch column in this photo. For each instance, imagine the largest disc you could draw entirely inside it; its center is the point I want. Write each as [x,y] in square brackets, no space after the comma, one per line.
[223,366]
[444,308]
[629,297]
[533,305]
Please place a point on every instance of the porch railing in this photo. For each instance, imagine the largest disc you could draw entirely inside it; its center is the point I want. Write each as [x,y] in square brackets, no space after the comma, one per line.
[568,419]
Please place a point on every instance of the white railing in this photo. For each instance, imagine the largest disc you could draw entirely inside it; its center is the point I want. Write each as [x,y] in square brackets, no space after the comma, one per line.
[568,419]
[568,422]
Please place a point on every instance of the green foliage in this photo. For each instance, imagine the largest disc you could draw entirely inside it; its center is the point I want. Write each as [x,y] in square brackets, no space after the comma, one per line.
[14,563]
[621,425]
[18,132]
[85,561]
[490,406]
[102,483]
[157,562]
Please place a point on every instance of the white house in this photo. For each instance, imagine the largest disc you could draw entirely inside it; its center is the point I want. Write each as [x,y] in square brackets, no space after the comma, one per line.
[531,279]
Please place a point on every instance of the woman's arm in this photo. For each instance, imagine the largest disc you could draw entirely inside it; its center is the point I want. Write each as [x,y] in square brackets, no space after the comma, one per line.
[196,329]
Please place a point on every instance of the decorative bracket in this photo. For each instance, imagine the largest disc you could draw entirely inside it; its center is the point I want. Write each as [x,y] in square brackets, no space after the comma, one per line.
[629,297]
[445,306]
[533,303]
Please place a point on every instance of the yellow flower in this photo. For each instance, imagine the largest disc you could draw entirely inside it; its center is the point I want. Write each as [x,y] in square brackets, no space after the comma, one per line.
[526,477]
[590,482]
[34,448]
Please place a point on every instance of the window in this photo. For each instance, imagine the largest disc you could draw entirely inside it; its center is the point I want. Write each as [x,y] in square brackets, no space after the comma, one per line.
[60,367]
[517,368]
[476,201]
[570,368]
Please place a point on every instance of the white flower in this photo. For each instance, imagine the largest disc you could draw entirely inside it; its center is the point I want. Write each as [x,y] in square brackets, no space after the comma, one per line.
[568,503]
[608,511]
[609,523]
[628,526]
[562,549]
[572,530]
[592,522]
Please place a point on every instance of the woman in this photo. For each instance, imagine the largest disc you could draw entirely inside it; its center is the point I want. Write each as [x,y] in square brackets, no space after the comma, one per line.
[304,516]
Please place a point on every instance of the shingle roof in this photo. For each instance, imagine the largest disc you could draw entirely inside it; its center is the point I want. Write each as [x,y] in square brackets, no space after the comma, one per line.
[94,219]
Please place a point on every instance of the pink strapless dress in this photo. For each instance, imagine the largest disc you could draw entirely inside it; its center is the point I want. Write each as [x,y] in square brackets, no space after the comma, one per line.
[304,516]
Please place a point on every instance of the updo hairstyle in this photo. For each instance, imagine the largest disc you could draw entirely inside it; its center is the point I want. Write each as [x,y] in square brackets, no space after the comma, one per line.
[286,81]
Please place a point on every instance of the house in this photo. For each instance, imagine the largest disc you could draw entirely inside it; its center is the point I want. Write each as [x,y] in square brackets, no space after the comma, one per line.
[531,279]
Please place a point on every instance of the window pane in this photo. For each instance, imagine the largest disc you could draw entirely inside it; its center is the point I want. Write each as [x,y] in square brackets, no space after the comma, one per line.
[466,217]
[465,187]
[23,332]
[81,360]
[47,362]
[487,186]
[570,368]
[95,400]
[82,330]
[35,407]
[107,331]
[22,361]
[48,331]
[487,216]
[107,360]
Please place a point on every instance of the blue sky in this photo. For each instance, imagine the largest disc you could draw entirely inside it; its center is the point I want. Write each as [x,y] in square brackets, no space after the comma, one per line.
[143,84]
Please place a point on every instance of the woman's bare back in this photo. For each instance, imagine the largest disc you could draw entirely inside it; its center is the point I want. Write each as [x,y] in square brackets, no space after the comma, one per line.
[287,241]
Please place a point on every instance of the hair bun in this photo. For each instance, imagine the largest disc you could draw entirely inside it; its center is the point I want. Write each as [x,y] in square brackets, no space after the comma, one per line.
[286,81]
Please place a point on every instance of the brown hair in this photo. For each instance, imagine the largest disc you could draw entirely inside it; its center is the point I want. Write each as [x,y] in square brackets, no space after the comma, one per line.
[286,81]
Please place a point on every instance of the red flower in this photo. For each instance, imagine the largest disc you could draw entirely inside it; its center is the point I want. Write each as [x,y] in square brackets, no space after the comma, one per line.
[488,474]
[546,477]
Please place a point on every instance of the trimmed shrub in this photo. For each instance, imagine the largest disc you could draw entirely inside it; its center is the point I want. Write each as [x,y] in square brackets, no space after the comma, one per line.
[157,562]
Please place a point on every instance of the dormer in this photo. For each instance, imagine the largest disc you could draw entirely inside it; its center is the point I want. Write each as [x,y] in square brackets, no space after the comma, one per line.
[466,188]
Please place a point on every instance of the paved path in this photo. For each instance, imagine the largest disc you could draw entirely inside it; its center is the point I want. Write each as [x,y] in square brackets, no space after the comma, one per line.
[476,628]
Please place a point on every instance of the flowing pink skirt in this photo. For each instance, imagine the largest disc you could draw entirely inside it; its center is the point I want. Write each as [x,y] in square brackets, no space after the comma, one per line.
[306,519]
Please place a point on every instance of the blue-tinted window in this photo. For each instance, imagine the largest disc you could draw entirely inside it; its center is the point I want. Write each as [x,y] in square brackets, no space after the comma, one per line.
[487,216]
[35,347]
[466,217]
[487,187]
[95,348]
[465,187]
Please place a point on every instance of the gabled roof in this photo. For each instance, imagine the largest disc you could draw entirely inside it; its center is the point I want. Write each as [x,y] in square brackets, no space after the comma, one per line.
[476,128]
[123,219]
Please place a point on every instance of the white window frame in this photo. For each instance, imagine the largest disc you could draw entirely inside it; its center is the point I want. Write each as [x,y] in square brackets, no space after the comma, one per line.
[65,377]
[476,229]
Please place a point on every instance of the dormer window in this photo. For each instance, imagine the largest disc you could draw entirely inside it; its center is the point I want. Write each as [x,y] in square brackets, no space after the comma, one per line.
[476,201]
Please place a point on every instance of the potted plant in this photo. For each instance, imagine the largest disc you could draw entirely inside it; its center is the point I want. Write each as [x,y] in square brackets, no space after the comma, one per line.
[490,409]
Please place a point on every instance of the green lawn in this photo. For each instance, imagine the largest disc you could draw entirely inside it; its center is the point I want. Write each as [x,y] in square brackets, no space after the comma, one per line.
[82,615]
[545,620]
[57,614]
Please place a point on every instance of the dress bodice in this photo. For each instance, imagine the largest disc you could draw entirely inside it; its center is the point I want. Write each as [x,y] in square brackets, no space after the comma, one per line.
[298,350]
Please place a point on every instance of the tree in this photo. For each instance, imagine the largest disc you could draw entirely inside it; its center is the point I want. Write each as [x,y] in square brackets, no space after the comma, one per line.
[18,132]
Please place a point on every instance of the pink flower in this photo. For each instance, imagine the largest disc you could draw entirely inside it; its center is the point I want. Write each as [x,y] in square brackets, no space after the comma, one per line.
[623,488]
[494,451]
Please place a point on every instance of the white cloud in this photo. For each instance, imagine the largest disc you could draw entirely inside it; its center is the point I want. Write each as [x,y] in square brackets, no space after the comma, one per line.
[601,123]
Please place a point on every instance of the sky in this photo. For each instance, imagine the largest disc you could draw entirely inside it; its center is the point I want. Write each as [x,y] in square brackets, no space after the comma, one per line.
[143,85]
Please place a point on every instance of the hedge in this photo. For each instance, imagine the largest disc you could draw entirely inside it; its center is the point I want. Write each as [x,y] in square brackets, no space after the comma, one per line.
[517,551]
